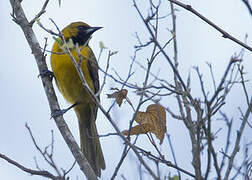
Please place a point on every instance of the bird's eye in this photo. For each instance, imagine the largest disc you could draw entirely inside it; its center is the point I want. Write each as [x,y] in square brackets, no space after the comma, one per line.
[82,28]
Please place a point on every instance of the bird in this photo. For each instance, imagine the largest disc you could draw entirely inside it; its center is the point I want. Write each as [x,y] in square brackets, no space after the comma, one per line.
[70,86]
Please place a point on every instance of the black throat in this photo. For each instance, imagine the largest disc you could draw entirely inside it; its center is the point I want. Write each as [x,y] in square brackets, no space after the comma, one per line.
[81,37]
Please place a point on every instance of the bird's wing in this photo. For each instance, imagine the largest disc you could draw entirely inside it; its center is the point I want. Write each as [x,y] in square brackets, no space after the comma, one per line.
[93,70]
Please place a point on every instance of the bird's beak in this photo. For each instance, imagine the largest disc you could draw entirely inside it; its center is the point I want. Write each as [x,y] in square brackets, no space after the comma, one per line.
[91,30]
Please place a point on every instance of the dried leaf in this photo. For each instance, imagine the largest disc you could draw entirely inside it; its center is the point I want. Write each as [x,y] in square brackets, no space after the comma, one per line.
[119,95]
[138,129]
[153,120]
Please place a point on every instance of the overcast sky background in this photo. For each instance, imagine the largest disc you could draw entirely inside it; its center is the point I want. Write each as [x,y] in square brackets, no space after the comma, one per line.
[23,98]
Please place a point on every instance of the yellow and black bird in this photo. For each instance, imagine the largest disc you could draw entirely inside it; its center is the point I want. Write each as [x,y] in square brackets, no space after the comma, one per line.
[70,85]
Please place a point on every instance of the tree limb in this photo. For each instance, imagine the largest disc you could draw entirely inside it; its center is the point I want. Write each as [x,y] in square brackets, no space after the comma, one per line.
[21,20]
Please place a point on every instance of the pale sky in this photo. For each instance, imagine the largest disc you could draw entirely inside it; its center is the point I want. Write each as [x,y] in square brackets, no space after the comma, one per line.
[23,98]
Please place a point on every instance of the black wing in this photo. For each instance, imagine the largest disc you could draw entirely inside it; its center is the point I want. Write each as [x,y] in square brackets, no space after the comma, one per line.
[93,71]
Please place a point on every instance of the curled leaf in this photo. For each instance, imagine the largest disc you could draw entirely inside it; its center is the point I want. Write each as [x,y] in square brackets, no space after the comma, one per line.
[153,120]
[119,95]
[138,129]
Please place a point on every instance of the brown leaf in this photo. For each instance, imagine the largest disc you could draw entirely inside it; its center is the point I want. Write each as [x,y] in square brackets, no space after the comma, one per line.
[153,120]
[138,129]
[119,95]
[157,119]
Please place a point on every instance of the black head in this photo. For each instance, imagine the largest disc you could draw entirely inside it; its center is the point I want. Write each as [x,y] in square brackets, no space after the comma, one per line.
[79,32]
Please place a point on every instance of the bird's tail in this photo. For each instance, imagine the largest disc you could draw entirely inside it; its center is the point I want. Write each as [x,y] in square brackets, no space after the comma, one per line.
[89,140]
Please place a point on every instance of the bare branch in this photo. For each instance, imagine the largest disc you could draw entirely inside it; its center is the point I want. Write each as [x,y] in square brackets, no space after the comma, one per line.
[220,86]
[48,157]
[247,4]
[224,33]
[41,12]
[31,171]
[167,163]
[238,138]
[229,126]
[21,19]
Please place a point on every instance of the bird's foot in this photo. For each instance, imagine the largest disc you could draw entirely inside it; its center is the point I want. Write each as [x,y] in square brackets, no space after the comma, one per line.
[46,73]
[60,112]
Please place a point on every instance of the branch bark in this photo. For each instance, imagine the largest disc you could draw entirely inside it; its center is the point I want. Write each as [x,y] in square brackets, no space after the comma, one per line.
[20,18]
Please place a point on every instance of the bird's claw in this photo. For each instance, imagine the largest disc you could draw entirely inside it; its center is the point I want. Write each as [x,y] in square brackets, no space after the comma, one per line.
[46,73]
[58,113]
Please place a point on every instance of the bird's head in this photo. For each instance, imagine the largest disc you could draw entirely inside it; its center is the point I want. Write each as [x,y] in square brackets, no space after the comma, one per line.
[79,32]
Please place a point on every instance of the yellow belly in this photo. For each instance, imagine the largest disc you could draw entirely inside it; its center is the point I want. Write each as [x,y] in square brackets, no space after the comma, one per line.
[67,78]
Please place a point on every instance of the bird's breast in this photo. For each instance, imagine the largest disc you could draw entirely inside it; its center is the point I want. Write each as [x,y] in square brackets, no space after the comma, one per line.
[67,78]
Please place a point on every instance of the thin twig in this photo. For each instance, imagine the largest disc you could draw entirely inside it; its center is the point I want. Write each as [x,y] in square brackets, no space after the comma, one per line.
[247,4]
[173,153]
[167,163]
[238,138]
[41,12]
[31,171]
[223,32]
[229,126]
[48,157]
[220,86]
[106,72]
